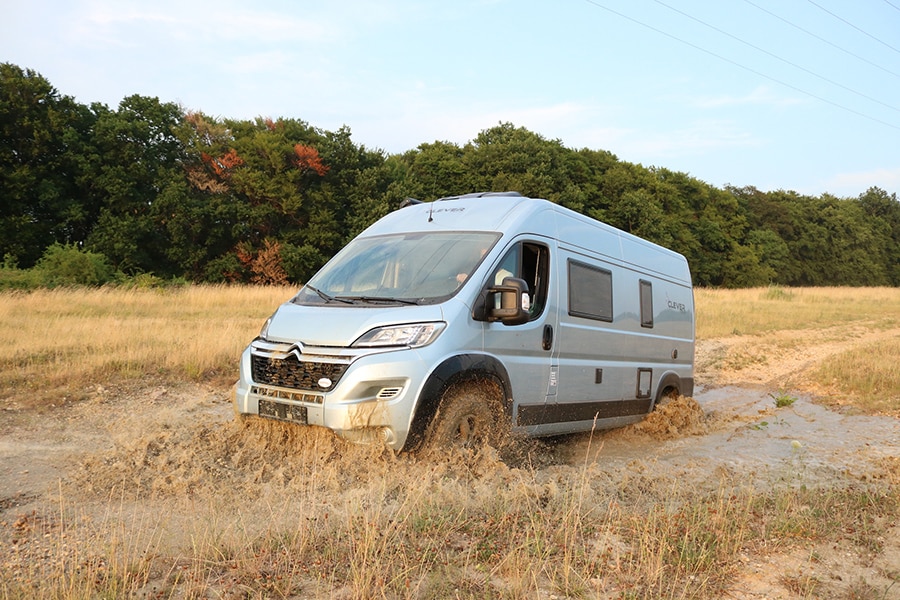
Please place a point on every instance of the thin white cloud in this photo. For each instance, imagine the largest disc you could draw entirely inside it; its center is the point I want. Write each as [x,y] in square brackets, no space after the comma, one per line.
[125,14]
[416,119]
[115,23]
[269,27]
[699,138]
[260,62]
[858,182]
[405,121]
[543,118]
[762,95]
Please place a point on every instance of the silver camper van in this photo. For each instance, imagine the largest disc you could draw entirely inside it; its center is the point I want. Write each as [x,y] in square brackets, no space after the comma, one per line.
[453,321]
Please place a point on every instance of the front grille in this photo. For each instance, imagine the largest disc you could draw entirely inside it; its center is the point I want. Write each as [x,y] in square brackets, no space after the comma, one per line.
[289,372]
[278,394]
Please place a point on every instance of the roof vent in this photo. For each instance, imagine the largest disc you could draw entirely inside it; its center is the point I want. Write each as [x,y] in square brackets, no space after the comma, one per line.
[484,195]
[409,202]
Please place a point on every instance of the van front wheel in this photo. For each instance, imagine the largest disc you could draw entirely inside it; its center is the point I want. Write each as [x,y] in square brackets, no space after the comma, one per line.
[467,417]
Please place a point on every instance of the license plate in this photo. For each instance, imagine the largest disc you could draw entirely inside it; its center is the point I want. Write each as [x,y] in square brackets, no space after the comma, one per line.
[282,412]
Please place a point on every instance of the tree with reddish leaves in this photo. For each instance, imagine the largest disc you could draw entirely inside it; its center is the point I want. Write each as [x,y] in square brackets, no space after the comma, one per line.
[255,181]
[308,159]
[264,264]
[223,165]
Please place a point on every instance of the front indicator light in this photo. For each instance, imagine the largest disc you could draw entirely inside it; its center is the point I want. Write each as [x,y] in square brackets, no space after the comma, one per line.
[264,331]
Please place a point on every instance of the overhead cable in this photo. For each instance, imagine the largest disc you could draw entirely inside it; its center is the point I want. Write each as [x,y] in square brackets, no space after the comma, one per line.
[829,42]
[745,67]
[776,57]
[862,31]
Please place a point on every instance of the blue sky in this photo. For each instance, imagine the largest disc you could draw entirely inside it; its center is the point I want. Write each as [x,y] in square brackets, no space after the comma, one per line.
[799,95]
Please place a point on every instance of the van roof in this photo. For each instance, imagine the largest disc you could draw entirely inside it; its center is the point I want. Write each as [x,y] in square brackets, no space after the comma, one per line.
[511,212]
[482,211]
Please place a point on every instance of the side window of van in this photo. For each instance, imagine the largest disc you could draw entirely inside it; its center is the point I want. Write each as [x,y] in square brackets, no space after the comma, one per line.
[590,292]
[646,303]
[530,262]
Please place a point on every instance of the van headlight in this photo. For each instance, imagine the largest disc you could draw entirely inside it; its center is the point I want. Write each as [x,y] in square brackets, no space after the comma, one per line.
[413,335]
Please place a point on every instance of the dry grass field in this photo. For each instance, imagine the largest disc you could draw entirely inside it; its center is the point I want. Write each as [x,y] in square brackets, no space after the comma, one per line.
[840,344]
[123,473]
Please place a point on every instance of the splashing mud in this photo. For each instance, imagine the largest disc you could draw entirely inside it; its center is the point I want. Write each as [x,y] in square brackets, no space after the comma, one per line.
[680,417]
[724,433]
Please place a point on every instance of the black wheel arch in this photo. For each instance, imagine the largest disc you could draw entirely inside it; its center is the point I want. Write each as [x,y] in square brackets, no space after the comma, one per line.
[453,371]
[670,383]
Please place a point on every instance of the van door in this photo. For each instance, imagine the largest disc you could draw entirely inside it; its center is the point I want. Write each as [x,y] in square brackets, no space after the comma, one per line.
[602,375]
[526,350]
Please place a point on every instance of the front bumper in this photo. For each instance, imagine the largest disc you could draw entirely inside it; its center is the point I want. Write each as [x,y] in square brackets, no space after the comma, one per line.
[363,395]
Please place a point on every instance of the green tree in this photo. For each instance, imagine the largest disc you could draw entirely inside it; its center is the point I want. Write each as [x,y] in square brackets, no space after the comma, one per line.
[771,226]
[358,182]
[137,158]
[883,212]
[835,244]
[638,212]
[509,158]
[157,190]
[436,170]
[42,137]
[773,256]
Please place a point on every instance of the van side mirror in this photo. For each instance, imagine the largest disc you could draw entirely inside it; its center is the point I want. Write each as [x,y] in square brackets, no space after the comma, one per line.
[514,302]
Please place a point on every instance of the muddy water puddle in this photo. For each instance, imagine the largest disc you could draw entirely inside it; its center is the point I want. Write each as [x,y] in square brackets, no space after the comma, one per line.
[738,434]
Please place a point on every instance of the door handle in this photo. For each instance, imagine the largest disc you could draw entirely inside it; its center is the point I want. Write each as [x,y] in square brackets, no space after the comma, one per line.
[547,341]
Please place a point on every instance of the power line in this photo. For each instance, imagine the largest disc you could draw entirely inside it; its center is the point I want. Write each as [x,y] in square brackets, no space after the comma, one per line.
[889,3]
[775,56]
[821,39]
[862,31]
[741,66]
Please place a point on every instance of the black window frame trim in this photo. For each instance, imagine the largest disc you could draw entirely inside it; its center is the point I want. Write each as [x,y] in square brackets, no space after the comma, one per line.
[642,284]
[586,315]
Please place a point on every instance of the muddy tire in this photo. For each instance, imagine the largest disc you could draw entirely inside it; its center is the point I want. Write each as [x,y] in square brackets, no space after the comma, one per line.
[668,395]
[468,417]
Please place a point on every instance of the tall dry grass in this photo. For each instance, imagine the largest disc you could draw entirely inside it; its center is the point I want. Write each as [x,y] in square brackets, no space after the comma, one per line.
[55,341]
[756,311]
[868,375]
[829,325]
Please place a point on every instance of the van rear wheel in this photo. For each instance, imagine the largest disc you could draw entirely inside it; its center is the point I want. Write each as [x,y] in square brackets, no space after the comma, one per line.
[467,417]
[668,395]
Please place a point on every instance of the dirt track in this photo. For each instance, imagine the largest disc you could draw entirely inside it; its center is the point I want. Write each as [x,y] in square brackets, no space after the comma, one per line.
[156,441]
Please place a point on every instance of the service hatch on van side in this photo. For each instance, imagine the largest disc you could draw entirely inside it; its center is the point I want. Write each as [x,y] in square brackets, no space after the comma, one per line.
[454,321]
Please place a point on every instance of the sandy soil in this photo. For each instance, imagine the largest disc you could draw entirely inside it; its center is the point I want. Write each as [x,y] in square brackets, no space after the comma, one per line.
[169,440]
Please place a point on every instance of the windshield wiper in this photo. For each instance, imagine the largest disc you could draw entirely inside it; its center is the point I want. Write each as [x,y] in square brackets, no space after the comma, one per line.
[376,299]
[328,298]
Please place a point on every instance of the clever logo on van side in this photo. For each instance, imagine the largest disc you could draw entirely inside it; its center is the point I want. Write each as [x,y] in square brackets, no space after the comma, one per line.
[679,306]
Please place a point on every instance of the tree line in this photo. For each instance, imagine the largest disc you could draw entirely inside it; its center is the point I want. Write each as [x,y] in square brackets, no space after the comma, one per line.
[150,189]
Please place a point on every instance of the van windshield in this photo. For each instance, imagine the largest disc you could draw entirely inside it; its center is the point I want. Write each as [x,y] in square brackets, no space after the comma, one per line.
[418,268]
